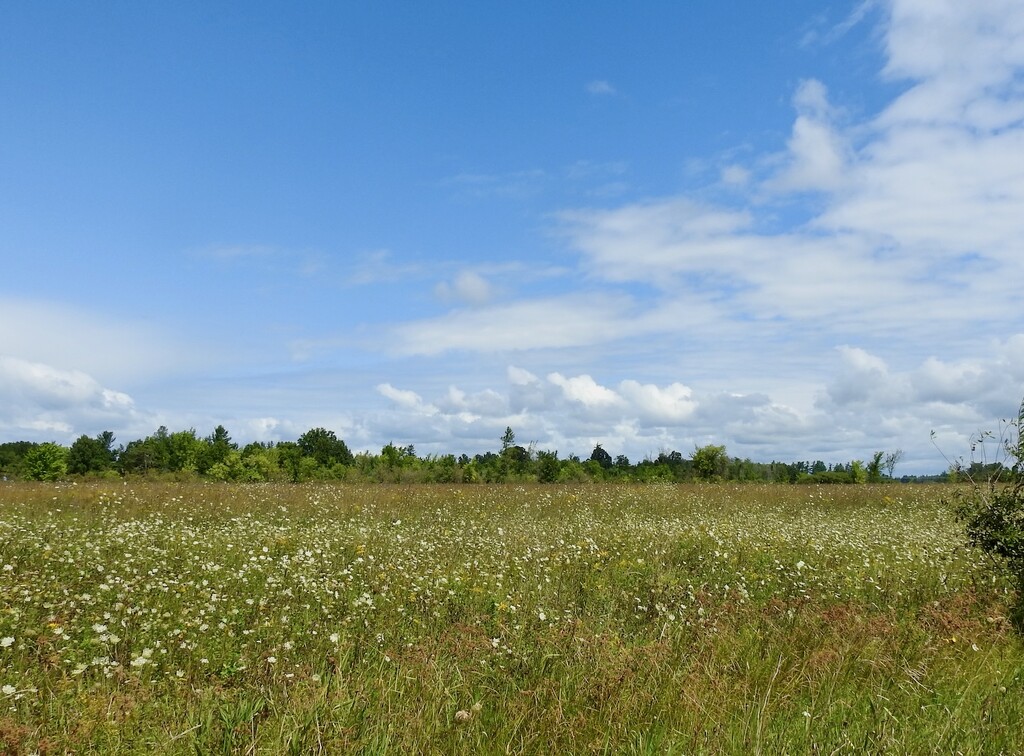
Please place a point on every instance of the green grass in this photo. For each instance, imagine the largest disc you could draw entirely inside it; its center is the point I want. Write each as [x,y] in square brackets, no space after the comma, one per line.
[148,618]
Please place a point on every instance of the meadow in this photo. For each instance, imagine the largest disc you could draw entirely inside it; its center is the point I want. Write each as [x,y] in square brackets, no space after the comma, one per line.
[165,618]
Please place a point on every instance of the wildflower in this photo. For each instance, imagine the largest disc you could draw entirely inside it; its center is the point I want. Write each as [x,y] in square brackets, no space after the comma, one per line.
[462,716]
[6,642]
[9,690]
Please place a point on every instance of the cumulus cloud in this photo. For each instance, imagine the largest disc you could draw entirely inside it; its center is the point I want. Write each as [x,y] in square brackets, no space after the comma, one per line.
[673,405]
[816,159]
[584,390]
[574,412]
[472,406]
[406,399]
[864,378]
[978,388]
[262,428]
[39,398]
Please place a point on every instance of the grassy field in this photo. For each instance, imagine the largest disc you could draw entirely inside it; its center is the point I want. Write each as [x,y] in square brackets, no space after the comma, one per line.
[160,618]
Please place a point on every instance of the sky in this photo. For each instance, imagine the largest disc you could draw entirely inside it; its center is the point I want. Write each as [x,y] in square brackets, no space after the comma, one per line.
[795,229]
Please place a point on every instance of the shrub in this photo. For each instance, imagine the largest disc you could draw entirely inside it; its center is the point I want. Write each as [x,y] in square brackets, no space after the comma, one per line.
[992,506]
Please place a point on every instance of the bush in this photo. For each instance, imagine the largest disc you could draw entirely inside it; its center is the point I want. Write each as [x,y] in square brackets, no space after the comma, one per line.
[992,508]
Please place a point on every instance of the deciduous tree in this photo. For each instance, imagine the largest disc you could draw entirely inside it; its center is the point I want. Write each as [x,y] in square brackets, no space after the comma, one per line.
[709,462]
[47,461]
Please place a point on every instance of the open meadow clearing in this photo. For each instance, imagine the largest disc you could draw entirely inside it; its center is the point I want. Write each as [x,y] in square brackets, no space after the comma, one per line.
[208,618]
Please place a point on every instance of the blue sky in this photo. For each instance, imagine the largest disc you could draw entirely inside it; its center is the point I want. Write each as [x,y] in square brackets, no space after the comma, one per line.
[794,229]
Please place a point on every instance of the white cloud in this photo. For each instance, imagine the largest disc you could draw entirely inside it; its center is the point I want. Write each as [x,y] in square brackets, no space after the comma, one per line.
[864,378]
[981,42]
[376,267]
[517,376]
[574,412]
[735,175]
[407,399]
[236,252]
[532,324]
[41,398]
[72,338]
[644,241]
[468,287]
[817,155]
[586,391]
[600,87]
[514,185]
[262,428]
[671,405]
[815,36]
[473,406]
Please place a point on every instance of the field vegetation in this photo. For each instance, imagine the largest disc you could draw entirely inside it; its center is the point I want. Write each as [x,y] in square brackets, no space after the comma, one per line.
[143,617]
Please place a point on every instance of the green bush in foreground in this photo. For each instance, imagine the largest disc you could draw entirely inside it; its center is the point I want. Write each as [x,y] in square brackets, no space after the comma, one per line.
[993,509]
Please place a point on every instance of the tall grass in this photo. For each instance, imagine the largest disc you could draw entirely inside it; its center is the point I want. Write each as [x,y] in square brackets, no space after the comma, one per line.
[332,619]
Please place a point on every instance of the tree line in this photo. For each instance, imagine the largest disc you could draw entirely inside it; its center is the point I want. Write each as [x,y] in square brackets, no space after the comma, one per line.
[318,454]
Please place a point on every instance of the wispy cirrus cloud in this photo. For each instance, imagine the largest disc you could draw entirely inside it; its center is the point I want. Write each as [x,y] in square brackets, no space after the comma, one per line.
[531,324]
[264,258]
[379,266]
[600,87]
[513,185]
